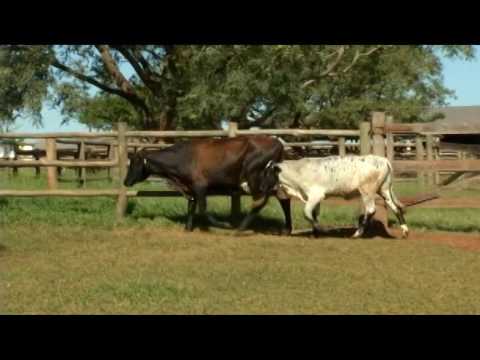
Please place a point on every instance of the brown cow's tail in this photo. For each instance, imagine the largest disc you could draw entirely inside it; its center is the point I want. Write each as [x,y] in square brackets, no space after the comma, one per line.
[260,161]
[282,152]
[257,161]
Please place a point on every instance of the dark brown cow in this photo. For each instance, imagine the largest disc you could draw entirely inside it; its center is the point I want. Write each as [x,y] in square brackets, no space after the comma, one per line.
[202,166]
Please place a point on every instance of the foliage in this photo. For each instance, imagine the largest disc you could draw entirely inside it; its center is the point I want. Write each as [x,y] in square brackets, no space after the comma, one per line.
[196,86]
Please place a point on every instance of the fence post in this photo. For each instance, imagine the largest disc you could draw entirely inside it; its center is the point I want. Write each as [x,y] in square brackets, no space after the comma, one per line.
[430,157]
[110,156]
[15,170]
[436,156]
[235,202]
[419,156]
[378,129]
[365,138]
[37,168]
[232,129]
[51,152]
[114,156]
[389,139]
[122,169]
[82,172]
[341,146]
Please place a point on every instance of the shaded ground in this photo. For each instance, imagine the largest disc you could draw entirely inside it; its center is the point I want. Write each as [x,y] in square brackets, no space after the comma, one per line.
[449,203]
[459,240]
[466,241]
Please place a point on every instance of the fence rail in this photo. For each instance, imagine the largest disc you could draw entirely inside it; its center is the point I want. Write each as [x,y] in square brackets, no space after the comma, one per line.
[58,135]
[437,165]
[118,142]
[58,163]
[376,136]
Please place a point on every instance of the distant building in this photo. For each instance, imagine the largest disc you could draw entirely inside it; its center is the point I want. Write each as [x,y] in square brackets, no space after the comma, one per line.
[458,127]
[458,120]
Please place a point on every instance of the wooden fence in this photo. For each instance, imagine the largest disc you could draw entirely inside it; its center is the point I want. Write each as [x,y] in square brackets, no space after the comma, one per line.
[377,136]
[121,140]
[429,160]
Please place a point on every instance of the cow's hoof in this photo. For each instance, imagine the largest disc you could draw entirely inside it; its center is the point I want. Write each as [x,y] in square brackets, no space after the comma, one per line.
[316,233]
[285,232]
[405,231]
[357,234]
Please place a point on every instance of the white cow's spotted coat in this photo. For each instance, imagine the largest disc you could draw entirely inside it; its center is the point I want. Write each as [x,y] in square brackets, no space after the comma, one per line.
[313,179]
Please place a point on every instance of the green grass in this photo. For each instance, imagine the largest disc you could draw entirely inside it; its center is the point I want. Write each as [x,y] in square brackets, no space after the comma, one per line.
[67,256]
[74,270]
[99,212]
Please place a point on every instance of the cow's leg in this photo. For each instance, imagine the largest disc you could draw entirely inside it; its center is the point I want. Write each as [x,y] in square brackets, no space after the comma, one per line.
[311,214]
[192,204]
[286,207]
[369,211]
[206,219]
[311,209]
[317,227]
[316,212]
[201,197]
[390,199]
[257,205]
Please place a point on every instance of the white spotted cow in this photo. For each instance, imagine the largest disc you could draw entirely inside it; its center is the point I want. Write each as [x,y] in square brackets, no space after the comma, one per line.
[313,179]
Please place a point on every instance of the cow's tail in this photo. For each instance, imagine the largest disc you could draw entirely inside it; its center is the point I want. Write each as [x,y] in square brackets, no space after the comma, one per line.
[389,180]
[257,161]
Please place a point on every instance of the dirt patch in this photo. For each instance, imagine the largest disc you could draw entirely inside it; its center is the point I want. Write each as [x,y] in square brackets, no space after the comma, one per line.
[464,241]
[461,240]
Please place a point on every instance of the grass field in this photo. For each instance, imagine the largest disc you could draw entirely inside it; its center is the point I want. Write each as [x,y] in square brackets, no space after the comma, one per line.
[67,256]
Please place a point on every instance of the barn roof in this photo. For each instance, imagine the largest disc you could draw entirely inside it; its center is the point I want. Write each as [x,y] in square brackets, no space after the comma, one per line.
[456,118]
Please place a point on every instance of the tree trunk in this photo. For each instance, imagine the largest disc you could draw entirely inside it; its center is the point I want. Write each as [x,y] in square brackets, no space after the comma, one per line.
[296,120]
[165,120]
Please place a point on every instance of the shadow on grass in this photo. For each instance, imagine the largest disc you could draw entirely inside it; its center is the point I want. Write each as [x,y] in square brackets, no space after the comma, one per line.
[374,231]
[262,224]
[130,207]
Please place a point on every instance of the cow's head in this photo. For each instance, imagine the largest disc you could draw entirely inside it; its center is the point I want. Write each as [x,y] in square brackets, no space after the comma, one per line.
[138,170]
[269,178]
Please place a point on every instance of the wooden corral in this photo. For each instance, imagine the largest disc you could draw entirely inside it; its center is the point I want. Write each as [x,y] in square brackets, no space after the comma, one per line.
[412,148]
[119,143]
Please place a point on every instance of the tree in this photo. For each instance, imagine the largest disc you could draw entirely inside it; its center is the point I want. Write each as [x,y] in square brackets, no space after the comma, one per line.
[322,86]
[196,86]
[24,85]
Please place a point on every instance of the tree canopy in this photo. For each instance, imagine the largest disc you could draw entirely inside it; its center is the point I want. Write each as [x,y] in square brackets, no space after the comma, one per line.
[196,86]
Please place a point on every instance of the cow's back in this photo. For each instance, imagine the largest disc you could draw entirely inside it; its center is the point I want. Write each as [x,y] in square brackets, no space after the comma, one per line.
[337,175]
[223,163]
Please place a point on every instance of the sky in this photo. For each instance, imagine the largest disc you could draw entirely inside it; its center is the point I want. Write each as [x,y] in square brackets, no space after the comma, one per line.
[461,76]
